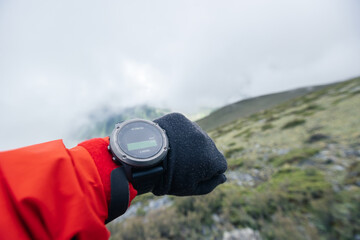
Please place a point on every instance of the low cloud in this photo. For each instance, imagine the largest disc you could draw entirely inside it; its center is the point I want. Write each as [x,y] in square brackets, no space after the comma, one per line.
[60,60]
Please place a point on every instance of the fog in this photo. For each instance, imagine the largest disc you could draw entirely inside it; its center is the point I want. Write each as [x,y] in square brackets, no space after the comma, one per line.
[60,60]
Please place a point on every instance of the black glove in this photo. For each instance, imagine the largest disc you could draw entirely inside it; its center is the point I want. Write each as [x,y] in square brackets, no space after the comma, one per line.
[193,165]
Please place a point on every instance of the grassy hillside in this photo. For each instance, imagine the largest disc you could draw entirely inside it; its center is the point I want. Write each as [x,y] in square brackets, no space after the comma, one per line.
[250,106]
[294,173]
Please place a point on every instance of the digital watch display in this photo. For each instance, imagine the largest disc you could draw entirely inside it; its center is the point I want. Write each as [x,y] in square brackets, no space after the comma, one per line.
[138,143]
[140,139]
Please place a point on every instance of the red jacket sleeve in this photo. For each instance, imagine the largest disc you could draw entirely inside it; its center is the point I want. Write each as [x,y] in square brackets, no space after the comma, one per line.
[50,192]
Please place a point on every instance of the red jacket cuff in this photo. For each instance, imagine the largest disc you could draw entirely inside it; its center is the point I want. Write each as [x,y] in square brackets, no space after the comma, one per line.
[98,149]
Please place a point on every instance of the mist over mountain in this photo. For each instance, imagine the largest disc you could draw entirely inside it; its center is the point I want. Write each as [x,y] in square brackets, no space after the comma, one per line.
[101,122]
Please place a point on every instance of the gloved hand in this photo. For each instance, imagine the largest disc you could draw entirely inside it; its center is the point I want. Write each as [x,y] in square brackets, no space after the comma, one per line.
[194,166]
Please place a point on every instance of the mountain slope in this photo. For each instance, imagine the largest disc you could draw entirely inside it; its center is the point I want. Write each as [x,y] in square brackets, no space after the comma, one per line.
[250,106]
[294,173]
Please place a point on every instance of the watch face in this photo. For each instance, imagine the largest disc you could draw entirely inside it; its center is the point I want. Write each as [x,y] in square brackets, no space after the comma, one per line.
[140,140]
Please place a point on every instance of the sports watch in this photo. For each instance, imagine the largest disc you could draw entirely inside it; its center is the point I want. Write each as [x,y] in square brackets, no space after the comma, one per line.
[140,146]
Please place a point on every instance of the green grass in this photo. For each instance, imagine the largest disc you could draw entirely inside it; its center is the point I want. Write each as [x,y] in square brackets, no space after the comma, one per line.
[307,111]
[294,157]
[288,190]
[244,163]
[228,153]
[245,133]
[143,198]
[294,123]
[297,186]
[267,126]
[235,163]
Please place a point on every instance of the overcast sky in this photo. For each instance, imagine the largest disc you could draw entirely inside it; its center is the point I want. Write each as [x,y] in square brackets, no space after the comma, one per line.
[60,60]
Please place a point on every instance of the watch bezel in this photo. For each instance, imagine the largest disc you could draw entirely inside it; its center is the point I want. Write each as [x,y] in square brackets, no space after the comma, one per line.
[121,156]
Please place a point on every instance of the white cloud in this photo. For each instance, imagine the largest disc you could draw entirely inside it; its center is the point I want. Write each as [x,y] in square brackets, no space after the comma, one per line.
[59,60]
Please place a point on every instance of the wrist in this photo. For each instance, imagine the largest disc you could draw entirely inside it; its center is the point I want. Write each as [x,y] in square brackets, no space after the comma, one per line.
[98,149]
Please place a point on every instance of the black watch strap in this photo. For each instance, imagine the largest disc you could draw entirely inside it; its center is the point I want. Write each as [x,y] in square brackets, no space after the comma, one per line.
[119,196]
[144,180]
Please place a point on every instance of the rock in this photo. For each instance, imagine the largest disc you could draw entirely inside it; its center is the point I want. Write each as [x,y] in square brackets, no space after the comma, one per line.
[130,212]
[241,178]
[262,121]
[326,157]
[216,218]
[352,153]
[158,203]
[332,146]
[358,183]
[307,162]
[162,202]
[323,154]
[242,234]
[336,188]
[281,151]
[338,168]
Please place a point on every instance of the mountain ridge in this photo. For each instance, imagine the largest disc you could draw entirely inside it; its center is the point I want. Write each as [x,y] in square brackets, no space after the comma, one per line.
[248,106]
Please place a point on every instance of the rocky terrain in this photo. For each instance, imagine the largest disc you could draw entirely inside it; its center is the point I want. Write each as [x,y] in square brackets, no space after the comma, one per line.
[294,173]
